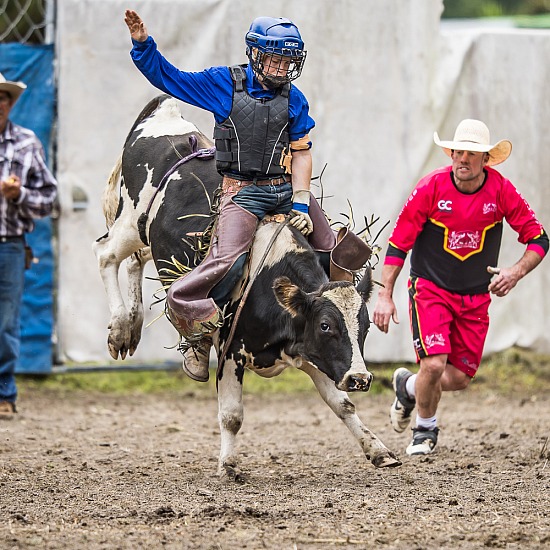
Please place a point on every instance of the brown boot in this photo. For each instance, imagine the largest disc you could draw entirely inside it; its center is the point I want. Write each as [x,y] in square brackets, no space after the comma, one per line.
[196,361]
[7,410]
[350,254]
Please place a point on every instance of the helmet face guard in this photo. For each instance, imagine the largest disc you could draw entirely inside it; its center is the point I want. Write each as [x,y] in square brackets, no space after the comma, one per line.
[275,69]
[275,51]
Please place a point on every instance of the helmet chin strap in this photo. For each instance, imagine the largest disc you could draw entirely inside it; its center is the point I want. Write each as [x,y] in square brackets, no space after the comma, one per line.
[272,82]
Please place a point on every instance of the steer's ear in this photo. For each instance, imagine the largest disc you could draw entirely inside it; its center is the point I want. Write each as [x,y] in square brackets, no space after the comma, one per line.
[291,297]
[365,285]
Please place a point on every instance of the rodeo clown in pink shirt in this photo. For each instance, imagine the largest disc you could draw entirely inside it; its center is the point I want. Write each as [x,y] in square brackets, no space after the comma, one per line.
[452,222]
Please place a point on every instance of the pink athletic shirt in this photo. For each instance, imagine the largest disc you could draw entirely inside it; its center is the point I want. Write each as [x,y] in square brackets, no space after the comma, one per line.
[454,236]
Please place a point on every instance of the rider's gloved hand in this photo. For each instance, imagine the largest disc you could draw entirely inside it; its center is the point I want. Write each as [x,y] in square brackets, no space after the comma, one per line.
[299,217]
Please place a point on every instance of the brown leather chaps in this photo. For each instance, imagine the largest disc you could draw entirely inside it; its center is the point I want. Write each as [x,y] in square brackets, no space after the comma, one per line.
[195,314]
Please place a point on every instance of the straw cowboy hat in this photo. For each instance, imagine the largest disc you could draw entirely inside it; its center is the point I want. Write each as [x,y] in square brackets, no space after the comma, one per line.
[15,89]
[473,135]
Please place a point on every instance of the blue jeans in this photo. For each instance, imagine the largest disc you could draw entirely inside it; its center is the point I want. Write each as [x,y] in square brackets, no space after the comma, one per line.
[12,279]
[265,199]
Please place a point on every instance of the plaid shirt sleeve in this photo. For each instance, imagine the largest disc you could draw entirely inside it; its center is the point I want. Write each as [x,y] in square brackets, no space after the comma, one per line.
[38,186]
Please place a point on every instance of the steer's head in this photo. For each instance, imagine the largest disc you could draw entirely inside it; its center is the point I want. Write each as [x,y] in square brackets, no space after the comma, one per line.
[331,325]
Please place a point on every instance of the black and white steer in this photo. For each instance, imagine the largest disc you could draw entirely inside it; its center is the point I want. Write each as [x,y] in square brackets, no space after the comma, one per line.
[292,317]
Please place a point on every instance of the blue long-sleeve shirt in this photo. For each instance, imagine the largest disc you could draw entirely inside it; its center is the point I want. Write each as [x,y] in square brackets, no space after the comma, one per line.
[212,89]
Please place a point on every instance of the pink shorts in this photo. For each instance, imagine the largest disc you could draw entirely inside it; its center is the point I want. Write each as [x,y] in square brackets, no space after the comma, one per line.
[444,322]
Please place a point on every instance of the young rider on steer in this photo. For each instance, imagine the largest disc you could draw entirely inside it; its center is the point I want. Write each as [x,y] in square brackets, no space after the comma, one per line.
[261,134]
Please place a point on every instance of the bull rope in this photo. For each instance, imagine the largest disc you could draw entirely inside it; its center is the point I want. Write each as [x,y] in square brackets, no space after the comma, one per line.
[245,296]
[203,154]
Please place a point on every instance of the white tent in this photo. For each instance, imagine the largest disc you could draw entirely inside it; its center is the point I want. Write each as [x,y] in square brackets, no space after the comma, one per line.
[380,77]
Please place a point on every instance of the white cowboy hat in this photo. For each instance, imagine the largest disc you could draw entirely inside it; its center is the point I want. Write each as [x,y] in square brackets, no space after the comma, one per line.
[473,135]
[15,89]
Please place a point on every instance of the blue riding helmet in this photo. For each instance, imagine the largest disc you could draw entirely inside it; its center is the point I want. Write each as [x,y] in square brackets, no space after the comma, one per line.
[280,37]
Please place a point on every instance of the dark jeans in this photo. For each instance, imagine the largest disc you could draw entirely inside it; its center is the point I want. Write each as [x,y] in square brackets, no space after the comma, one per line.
[12,278]
[265,199]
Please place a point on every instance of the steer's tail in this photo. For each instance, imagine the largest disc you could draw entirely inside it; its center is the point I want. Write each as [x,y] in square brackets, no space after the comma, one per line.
[110,193]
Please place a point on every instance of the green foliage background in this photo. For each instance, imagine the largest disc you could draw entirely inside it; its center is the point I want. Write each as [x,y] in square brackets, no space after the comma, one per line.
[494,8]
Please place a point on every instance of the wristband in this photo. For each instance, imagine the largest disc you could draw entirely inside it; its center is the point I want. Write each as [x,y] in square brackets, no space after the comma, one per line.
[300,207]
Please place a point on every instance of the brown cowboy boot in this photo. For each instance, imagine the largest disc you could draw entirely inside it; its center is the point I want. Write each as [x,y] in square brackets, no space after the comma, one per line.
[7,410]
[196,360]
[350,254]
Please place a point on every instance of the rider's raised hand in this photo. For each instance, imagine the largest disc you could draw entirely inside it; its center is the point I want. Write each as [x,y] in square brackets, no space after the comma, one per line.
[136,26]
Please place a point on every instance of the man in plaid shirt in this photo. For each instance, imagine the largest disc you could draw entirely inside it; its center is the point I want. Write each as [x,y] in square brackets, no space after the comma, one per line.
[27,191]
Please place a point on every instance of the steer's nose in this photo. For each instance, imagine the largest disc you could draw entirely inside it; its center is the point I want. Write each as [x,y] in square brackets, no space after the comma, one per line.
[357,382]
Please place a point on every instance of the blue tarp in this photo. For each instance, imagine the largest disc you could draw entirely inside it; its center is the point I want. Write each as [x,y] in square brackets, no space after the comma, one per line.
[33,65]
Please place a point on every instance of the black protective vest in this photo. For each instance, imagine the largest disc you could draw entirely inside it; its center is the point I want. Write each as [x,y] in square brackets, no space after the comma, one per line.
[250,141]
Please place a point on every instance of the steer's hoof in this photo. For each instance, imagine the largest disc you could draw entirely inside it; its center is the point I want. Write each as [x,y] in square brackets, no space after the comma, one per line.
[115,350]
[389,460]
[232,473]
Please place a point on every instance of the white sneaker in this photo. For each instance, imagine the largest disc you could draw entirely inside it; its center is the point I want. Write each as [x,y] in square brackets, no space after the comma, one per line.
[423,442]
[403,405]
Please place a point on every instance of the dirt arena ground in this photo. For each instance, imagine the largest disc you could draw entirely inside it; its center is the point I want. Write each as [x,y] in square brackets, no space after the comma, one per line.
[93,471]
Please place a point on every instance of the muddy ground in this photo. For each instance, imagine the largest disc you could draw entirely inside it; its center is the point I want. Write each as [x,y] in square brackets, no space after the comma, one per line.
[92,471]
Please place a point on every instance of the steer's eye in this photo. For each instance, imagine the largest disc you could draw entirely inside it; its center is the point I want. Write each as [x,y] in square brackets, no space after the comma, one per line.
[325,327]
